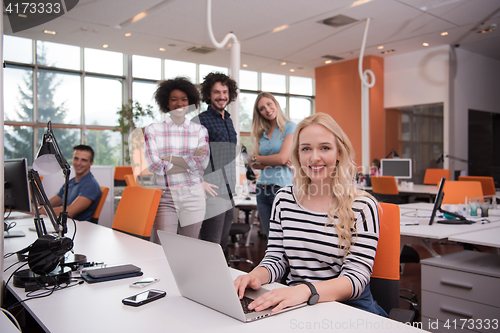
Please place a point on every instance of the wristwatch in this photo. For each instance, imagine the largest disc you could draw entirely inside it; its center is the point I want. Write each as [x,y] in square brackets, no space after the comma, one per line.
[314,298]
[254,158]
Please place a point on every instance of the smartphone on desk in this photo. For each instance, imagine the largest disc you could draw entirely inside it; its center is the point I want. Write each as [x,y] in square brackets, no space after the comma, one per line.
[144,297]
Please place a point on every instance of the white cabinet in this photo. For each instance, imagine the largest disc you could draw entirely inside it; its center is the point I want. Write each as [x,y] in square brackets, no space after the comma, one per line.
[462,291]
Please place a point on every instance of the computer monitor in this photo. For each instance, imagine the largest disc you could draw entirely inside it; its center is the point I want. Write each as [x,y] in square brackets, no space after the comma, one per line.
[399,168]
[459,219]
[16,188]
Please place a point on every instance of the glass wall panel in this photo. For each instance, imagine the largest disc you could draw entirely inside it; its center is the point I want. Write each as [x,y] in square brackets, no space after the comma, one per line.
[301,85]
[143,92]
[180,68]
[59,97]
[66,138]
[207,69]
[247,101]
[300,108]
[282,102]
[273,83]
[107,146]
[58,55]
[18,94]
[17,49]
[18,142]
[146,67]
[103,98]
[105,62]
[249,80]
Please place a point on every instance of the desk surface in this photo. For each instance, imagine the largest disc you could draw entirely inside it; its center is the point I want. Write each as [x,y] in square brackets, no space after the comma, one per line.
[97,307]
[416,189]
[489,237]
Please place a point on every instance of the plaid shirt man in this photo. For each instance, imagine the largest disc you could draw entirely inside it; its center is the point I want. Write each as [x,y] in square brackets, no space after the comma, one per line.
[223,149]
[166,138]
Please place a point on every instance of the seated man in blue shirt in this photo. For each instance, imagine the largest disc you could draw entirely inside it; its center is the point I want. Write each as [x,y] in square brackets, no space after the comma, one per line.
[83,190]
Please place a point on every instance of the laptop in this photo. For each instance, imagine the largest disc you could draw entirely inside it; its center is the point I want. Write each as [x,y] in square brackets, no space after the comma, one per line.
[202,275]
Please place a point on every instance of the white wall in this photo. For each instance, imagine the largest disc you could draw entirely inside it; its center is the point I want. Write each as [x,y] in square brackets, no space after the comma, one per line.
[474,85]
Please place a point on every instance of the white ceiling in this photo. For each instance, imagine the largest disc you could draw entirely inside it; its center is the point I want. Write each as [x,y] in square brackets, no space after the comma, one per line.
[402,25]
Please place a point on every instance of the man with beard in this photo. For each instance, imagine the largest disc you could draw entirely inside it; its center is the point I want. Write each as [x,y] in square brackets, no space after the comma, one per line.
[218,90]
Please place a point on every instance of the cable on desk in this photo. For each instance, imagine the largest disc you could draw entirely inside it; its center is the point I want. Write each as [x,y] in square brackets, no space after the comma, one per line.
[415,214]
[10,225]
[17,262]
[6,217]
[12,318]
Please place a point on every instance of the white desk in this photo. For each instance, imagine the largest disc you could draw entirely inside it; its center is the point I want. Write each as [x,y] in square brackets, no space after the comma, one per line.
[98,308]
[416,189]
[489,237]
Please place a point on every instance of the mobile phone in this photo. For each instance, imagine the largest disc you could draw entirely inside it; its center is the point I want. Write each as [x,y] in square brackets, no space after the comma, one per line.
[144,297]
[144,282]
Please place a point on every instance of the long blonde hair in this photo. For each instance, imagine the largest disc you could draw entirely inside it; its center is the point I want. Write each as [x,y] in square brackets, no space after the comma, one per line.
[342,180]
[261,124]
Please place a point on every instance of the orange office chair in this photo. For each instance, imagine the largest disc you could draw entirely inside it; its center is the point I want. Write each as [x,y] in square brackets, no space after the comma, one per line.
[130,180]
[136,211]
[487,184]
[433,176]
[384,282]
[458,192]
[385,189]
[97,212]
[120,172]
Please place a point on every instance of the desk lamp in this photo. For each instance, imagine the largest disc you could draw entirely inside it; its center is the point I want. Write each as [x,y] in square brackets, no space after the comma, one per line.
[47,253]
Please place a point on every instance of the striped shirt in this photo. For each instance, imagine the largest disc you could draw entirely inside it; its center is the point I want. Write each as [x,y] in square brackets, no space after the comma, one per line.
[166,138]
[301,239]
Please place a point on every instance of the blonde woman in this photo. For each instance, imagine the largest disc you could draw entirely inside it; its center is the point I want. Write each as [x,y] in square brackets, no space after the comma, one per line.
[322,228]
[272,133]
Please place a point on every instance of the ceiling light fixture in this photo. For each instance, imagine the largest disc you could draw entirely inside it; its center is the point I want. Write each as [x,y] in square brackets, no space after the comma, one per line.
[105,46]
[489,29]
[292,70]
[380,47]
[445,33]
[49,32]
[245,65]
[162,49]
[283,63]
[328,61]
[387,51]
[283,27]
[425,44]
[128,34]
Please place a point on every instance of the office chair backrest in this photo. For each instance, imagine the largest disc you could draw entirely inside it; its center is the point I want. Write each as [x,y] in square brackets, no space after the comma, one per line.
[487,184]
[385,185]
[97,212]
[120,172]
[459,192]
[130,180]
[433,176]
[384,283]
[136,211]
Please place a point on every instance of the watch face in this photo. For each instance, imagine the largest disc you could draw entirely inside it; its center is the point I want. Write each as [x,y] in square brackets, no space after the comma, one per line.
[313,299]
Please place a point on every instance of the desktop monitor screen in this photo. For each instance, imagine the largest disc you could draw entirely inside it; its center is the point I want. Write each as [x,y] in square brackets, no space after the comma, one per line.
[397,167]
[438,201]
[16,188]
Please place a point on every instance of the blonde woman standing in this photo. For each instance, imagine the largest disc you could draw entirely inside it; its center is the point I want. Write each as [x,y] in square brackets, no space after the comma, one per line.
[272,133]
[322,228]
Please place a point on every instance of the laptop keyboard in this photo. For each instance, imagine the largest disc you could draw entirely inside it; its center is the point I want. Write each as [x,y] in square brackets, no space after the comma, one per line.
[245,301]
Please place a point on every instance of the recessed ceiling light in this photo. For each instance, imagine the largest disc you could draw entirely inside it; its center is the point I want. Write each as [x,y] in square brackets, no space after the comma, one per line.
[245,65]
[162,49]
[283,63]
[105,46]
[49,32]
[380,47]
[387,51]
[283,27]
[292,70]
[328,61]
[445,33]
[128,34]
[425,44]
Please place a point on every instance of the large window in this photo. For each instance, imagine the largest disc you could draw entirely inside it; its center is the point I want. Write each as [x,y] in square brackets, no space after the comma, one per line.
[80,91]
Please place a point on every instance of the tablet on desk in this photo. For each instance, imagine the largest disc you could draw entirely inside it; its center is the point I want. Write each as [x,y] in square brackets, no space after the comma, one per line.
[112,271]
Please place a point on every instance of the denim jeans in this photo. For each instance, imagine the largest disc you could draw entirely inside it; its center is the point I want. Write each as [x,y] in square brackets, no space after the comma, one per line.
[265,199]
[366,302]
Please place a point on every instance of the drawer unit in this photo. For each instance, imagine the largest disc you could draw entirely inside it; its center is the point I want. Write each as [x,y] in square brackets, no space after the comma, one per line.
[462,286]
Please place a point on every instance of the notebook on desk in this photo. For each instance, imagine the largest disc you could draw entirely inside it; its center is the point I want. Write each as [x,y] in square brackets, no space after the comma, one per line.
[202,275]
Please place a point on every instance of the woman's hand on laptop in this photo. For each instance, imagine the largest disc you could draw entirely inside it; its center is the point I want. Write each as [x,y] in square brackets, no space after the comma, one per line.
[250,280]
[281,298]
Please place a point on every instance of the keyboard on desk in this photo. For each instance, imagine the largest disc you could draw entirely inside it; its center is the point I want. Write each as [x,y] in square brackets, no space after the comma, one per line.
[245,301]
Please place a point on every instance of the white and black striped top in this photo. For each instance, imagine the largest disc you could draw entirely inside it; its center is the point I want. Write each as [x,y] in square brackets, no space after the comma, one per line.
[301,238]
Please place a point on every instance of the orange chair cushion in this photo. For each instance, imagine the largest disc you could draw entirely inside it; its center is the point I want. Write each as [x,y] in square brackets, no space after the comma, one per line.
[130,180]
[121,171]
[385,185]
[104,194]
[433,176]
[386,264]
[459,192]
[487,183]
